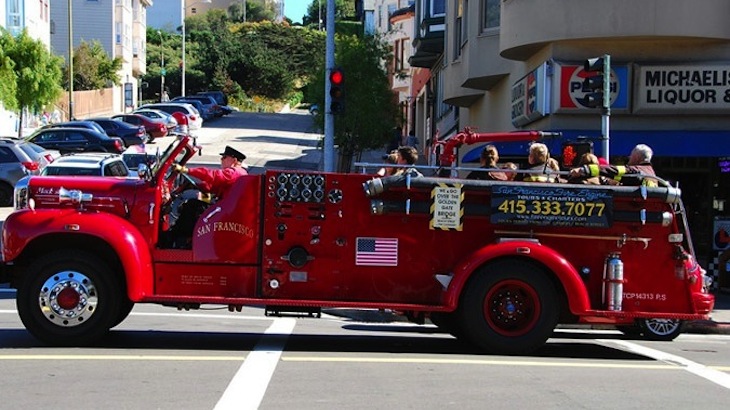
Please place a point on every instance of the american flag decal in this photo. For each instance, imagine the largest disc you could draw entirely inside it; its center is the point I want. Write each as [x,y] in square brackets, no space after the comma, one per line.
[376,252]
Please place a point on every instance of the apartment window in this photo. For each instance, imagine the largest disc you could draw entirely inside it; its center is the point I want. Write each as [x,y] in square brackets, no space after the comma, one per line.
[438,8]
[391,10]
[14,17]
[399,53]
[458,29]
[118,33]
[490,14]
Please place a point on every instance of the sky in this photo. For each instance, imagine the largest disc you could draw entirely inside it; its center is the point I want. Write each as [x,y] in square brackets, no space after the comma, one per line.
[295,9]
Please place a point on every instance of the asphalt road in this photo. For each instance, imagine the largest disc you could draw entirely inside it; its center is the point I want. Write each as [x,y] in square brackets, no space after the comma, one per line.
[160,358]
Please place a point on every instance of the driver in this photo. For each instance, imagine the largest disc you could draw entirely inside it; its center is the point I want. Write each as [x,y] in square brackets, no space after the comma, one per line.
[213,181]
[218,181]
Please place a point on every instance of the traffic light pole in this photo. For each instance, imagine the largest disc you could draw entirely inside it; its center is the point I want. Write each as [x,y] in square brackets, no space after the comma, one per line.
[329,119]
[606,113]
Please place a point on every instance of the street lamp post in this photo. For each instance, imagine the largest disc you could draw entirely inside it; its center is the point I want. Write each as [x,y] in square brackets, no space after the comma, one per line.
[182,18]
[162,68]
[70,62]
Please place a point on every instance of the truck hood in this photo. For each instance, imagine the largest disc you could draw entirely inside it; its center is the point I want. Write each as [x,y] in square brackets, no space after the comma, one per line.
[109,194]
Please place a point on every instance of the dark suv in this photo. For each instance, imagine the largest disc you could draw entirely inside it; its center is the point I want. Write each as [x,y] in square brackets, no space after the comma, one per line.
[131,134]
[68,140]
[17,160]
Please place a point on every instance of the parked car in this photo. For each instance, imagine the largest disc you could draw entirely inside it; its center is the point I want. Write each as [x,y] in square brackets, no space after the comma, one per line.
[77,124]
[209,104]
[18,159]
[218,95]
[136,155]
[130,134]
[205,112]
[167,118]
[195,121]
[221,99]
[88,164]
[68,140]
[154,128]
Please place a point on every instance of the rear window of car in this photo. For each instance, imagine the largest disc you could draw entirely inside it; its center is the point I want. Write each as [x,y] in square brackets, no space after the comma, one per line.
[70,171]
[32,150]
[7,155]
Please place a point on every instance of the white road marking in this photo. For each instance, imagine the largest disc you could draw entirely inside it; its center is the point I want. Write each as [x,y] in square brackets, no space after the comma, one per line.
[247,388]
[715,376]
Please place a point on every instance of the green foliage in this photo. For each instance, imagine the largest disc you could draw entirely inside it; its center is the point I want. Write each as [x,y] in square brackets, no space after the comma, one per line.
[8,86]
[344,10]
[370,107]
[93,69]
[37,73]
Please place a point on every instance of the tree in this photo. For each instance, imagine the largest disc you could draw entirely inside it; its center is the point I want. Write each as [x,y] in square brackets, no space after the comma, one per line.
[93,69]
[8,86]
[344,10]
[371,111]
[37,73]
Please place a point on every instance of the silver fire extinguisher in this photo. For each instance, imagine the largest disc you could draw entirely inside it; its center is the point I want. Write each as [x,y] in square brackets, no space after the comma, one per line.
[613,278]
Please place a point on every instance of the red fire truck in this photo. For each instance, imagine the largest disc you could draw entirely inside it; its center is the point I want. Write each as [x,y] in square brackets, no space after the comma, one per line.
[499,264]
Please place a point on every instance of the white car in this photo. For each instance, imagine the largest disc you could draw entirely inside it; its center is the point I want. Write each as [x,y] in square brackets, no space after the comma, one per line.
[195,120]
[88,164]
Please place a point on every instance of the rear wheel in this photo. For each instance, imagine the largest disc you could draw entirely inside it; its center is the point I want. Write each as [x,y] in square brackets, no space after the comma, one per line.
[509,307]
[663,330]
[69,298]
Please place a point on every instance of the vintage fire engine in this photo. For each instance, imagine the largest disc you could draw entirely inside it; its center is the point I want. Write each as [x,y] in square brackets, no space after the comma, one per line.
[499,264]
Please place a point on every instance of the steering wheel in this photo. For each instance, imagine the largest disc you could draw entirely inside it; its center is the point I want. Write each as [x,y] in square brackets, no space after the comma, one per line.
[182,182]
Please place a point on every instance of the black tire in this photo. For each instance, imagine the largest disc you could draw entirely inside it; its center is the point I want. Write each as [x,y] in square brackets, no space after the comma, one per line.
[447,322]
[629,330]
[125,307]
[509,307]
[6,194]
[69,298]
[663,330]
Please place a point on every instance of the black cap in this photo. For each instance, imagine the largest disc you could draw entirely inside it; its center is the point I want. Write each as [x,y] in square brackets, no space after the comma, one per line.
[231,152]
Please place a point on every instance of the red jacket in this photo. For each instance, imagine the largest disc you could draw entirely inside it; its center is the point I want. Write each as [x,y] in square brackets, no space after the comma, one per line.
[217,181]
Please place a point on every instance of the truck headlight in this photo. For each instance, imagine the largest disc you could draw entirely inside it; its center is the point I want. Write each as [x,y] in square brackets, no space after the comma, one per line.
[20,193]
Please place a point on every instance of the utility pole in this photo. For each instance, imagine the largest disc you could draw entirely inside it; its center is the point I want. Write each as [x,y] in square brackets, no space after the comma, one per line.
[70,62]
[329,119]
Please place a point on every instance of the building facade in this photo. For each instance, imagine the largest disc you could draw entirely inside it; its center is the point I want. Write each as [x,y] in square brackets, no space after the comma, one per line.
[120,26]
[16,16]
[518,64]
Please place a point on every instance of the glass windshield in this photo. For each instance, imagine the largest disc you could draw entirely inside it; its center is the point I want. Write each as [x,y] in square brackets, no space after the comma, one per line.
[165,156]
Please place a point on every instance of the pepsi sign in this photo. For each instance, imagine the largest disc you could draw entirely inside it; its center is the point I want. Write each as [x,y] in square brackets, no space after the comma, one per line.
[572,89]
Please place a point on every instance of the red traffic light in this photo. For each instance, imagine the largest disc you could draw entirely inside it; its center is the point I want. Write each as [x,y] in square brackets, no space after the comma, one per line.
[336,77]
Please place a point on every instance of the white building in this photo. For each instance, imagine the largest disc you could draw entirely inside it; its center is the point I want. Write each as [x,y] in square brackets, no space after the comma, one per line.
[121,28]
[16,15]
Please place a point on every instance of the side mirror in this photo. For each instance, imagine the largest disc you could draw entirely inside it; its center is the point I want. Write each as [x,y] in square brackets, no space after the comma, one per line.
[143,170]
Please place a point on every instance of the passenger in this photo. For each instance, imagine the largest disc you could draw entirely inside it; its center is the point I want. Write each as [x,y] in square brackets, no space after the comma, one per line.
[407,156]
[513,167]
[488,160]
[554,166]
[587,159]
[537,159]
[391,158]
[639,163]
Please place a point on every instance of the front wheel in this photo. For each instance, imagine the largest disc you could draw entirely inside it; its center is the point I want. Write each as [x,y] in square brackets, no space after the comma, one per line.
[663,330]
[509,307]
[69,298]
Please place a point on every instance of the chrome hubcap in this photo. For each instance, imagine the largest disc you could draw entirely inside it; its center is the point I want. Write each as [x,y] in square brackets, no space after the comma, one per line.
[68,299]
[662,326]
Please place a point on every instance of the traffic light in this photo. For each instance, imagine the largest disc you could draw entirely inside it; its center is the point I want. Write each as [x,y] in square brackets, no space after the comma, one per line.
[337,94]
[573,151]
[597,85]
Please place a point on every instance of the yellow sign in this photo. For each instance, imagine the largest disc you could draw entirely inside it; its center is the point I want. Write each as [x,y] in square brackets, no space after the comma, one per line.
[447,209]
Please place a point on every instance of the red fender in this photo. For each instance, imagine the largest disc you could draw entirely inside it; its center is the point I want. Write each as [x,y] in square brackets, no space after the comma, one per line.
[25,226]
[567,275]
